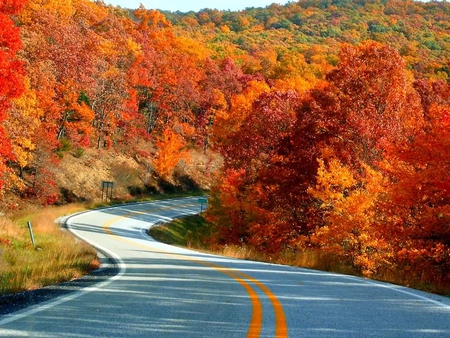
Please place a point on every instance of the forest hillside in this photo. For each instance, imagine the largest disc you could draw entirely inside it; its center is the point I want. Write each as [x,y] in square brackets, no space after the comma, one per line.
[315,125]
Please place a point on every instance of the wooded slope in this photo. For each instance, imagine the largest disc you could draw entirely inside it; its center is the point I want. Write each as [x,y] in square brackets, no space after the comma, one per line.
[332,117]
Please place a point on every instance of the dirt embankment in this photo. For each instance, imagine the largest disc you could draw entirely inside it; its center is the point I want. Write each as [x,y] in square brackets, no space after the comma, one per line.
[80,178]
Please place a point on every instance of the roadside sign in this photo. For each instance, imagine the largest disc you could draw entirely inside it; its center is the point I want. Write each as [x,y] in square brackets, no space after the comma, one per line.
[107,187]
[202,200]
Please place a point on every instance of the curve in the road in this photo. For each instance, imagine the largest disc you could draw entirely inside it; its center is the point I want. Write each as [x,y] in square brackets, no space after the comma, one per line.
[256,321]
[232,296]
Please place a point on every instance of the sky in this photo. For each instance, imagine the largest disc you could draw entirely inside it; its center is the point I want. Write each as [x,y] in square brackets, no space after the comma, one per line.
[194,5]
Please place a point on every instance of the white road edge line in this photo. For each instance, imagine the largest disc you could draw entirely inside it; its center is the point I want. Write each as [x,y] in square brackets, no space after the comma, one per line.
[393,287]
[403,290]
[60,300]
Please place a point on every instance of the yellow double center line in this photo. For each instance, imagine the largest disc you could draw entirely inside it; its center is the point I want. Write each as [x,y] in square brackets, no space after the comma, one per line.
[256,320]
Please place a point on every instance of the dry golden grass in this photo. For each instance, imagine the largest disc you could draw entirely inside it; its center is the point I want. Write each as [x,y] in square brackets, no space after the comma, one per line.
[59,255]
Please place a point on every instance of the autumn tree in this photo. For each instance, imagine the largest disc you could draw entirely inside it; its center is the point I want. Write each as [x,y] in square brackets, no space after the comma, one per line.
[418,202]
[22,123]
[223,81]
[111,94]
[238,208]
[167,74]
[370,105]
[230,118]
[281,190]
[293,166]
[57,63]
[375,99]
[11,74]
[171,149]
[354,226]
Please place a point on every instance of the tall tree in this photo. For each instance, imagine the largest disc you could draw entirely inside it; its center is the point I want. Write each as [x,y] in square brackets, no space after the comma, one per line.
[240,201]
[22,123]
[11,73]
[419,201]
[375,101]
[370,105]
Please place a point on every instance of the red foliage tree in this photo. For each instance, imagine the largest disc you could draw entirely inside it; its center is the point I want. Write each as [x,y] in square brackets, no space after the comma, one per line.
[242,215]
[11,71]
[374,100]
[418,202]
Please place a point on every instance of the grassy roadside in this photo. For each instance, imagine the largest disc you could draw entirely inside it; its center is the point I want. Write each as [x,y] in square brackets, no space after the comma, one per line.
[193,232]
[59,256]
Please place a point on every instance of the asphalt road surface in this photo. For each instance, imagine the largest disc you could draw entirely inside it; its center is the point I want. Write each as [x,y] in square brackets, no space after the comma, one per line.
[165,291]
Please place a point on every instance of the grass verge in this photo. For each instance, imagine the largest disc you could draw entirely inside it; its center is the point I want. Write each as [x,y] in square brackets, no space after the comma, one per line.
[58,256]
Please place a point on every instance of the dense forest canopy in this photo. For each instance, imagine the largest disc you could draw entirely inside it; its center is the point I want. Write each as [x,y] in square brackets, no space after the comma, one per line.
[332,117]
[316,29]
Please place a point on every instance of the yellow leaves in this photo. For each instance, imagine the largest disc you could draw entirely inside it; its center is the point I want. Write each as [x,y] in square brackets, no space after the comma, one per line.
[107,47]
[349,199]
[244,21]
[80,127]
[338,187]
[242,103]
[84,113]
[133,47]
[268,57]
[21,123]
[62,9]
[333,179]
[22,149]
[124,49]
[225,29]
[23,120]
[336,173]
[151,19]
[192,47]
[12,181]
[297,83]
[218,99]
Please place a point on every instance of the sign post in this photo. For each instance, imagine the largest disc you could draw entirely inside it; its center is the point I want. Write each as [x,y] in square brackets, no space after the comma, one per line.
[107,189]
[31,234]
[202,201]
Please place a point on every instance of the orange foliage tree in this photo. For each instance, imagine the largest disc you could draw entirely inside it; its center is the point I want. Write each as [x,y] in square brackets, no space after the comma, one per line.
[418,202]
[372,103]
[167,74]
[22,123]
[354,226]
[327,178]
[171,149]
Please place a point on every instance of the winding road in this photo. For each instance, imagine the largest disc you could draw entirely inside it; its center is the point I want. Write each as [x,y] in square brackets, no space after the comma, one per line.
[166,291]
